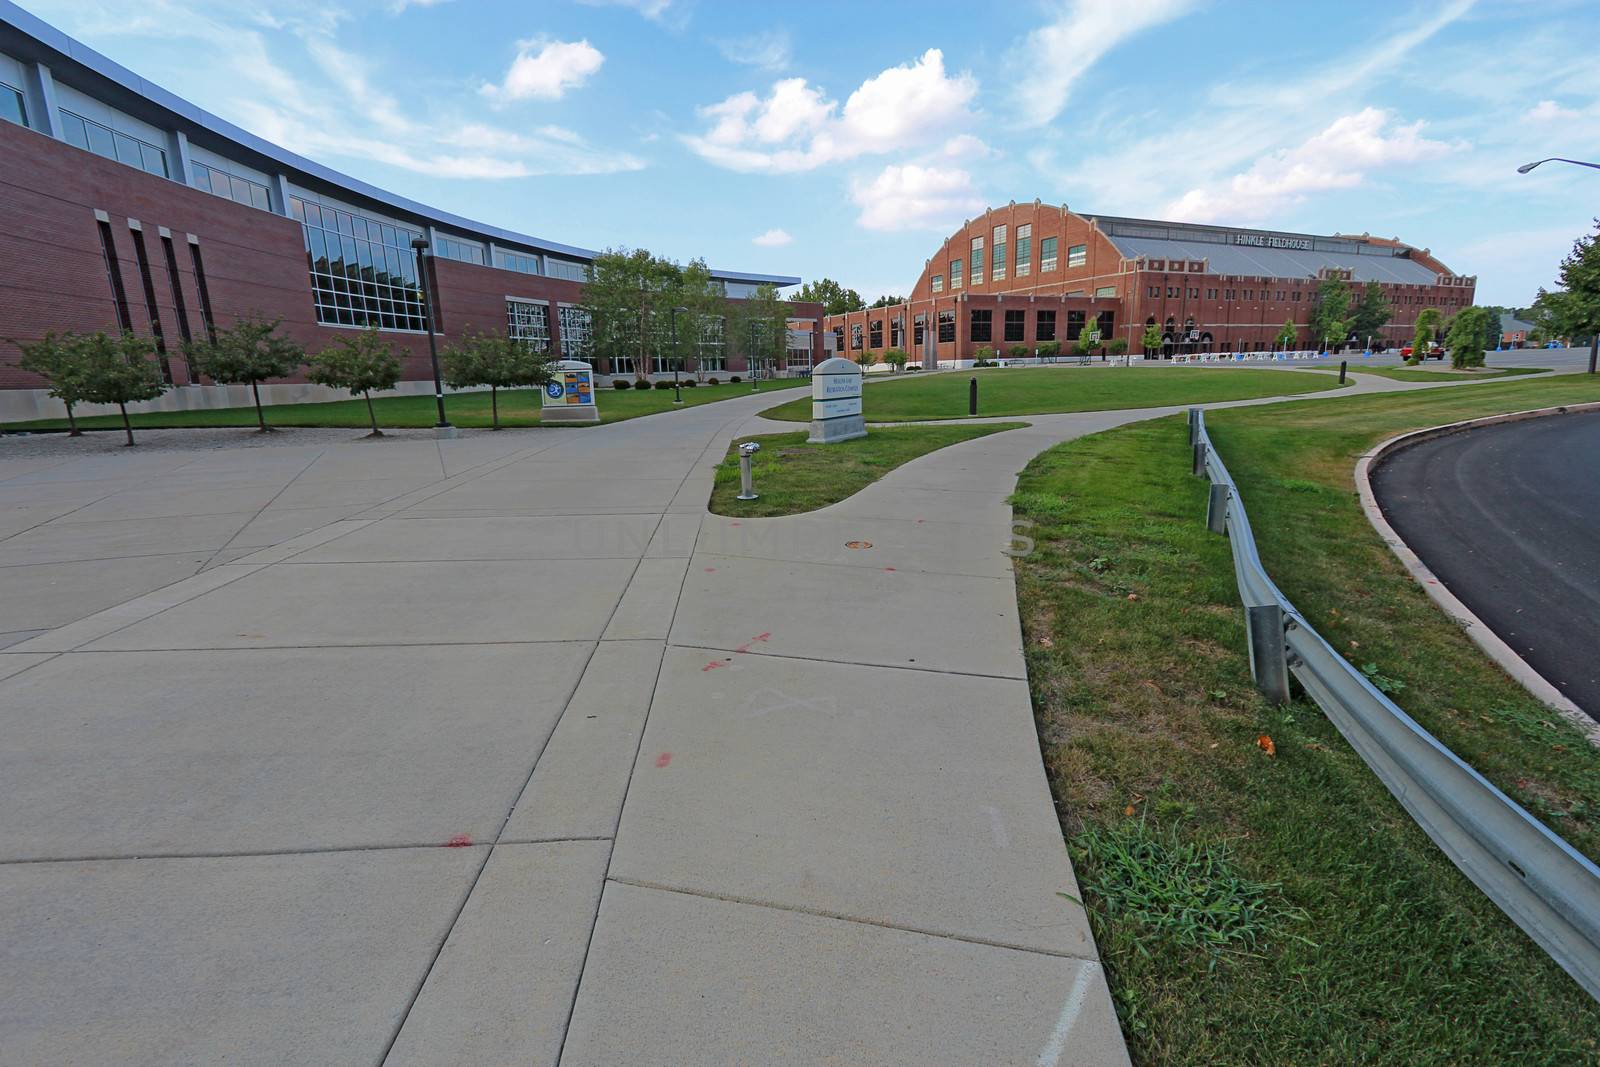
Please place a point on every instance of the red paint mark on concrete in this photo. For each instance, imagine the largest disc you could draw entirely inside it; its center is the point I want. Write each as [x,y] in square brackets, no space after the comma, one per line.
[710,569]
[888,568]
[663,759]
[713,665]
[459,841]
[735,524]
[746,646]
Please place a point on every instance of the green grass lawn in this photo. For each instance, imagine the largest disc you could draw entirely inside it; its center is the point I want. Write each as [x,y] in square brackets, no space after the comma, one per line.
[792,476]
[518,407]
[1041,391]
[1417,374]
[1282,909]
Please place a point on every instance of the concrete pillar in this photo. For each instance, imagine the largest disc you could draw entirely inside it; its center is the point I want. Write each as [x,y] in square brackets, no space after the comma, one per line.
[178,157]
[41,93]
[278,194]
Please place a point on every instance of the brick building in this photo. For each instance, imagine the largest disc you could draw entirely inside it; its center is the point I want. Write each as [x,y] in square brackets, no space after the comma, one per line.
[125,207]
[1026,274]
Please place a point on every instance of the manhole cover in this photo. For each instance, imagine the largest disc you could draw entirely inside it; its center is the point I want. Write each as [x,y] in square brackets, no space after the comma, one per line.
[858,544]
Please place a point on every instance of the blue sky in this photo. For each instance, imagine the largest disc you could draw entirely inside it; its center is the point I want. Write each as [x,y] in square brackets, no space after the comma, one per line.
[846,139]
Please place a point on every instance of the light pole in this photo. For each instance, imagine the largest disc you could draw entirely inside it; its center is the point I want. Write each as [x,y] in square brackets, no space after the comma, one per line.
[755,364]
[421,245]
[1526,167]
[1594,343]
[677,387]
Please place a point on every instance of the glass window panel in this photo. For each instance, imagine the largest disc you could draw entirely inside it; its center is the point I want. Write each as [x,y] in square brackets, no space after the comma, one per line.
[297,208]
[155,160]
[11,106]
[343,222]
[73,129]
[101,143]
[201,176]
[258,196]
[128,150]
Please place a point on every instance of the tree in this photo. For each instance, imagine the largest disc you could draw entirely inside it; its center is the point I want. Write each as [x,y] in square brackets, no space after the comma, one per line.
[358,365]
[629,297]
[1049,349]
[248,353]
[1555,314]
[760,323]
[1493,329]
[59,361]
[1286,336]
[886,301]
[498,362]
[1118,346]
[1089,337]
[1580,278]
[1466,337]
[865,358]
[1371,313]
[897,359]
[1427,326]
[119,370]
[834,298]
[1151,339]
[703,314]
[1330,318]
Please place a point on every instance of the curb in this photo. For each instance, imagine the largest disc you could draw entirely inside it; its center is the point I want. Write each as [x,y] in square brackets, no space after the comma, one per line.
[1485,638]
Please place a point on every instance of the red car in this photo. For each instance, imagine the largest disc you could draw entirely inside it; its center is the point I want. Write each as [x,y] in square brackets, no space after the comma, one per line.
[1434,352]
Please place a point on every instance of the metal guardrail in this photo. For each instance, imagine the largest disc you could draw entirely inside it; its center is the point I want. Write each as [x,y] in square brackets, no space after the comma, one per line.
[1546,886]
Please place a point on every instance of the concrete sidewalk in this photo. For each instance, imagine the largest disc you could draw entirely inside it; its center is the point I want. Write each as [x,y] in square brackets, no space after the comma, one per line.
[520,756]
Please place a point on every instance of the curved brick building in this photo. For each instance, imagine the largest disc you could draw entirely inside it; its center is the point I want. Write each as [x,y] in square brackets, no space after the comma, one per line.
[1031,273]
[123,206]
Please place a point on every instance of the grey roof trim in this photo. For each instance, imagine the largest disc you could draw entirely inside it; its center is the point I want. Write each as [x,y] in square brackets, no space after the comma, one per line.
[35,40]
[1249,261]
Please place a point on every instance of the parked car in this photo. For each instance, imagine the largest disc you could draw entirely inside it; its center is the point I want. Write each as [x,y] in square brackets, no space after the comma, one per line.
[1433,352]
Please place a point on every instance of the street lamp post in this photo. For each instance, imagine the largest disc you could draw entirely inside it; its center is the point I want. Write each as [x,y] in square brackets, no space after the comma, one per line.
[677,387]
[1594,343]
[755,361]
[421,246]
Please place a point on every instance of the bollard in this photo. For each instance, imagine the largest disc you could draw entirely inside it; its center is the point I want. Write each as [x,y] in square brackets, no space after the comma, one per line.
[1343,363]
[747,490]
[1217,509]
[972,396]
[1269,658]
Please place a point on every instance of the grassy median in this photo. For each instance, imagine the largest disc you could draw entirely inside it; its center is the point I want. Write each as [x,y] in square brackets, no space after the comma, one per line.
[792,476]
[518,407]
[1421,374]
[1039,391]
[1258,896]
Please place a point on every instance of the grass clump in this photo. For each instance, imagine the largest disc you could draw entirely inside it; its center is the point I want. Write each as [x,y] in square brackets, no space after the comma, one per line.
[793,476]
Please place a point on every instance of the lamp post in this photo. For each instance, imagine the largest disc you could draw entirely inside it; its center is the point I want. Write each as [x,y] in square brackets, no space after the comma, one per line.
[1594,343]
[1526,167]
[677,387]
[755,363]
[421,245]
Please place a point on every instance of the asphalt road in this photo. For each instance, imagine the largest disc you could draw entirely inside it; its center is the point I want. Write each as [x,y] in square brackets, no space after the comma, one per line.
[1507,517]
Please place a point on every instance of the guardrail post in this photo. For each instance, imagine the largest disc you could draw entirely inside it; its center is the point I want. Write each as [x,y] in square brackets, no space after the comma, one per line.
[1194,425]
[1269,659]
[1199,458]
[1217,509]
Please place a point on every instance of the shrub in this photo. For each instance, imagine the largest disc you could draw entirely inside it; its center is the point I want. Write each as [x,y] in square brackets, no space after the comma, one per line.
[734,379]
[662,385]
[713,381]
[1050,349]
[1019,352]
[621,383]
[689,383]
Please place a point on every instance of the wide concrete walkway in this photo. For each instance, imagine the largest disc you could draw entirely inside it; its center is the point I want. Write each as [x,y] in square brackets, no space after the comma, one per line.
[505,751]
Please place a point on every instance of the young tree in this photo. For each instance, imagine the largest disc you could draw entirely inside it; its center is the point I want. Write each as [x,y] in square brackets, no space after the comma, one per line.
[704,315]
[834,298]
[760,325]
[1493,329]
[248,353]
[1427,326]
[629,297]
[1371,313]
[1331,316]
[1286,336]
[119,370]
[1151,339]
[498,362]
[358,365]
[1049,349]
[1089,337]
[1466,337]
[897,359]
[59,361]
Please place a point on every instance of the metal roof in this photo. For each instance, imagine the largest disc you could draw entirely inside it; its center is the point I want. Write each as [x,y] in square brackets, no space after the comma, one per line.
[33,40]
[1278,262]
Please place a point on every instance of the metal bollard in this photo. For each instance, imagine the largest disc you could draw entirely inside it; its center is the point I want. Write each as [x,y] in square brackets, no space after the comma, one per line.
[1343,363]
[972,396]
[747,489]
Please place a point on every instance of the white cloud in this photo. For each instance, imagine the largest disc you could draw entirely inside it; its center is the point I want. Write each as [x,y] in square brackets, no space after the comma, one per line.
[769,50]
[650,9]
[1056,55]
[966,146]
[546,74]
[796,128]
[916,197]
[1340,157]
[773,238]
[1550,111]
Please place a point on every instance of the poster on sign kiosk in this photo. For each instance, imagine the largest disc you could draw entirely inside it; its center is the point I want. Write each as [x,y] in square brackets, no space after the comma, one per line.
[569,396]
